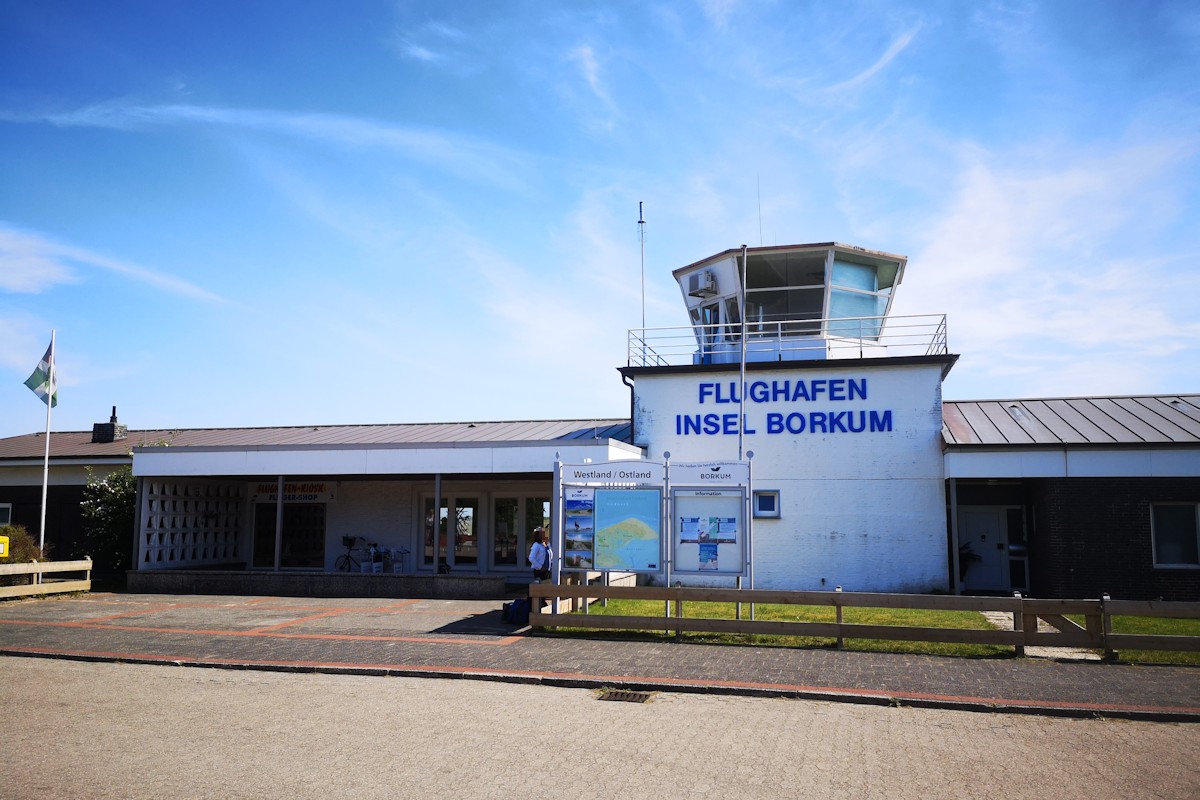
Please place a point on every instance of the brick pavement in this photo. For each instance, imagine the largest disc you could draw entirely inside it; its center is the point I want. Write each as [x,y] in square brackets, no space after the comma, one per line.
[468,639]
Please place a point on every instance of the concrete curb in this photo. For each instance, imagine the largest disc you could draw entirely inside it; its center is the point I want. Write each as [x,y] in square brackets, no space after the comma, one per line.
[948,702]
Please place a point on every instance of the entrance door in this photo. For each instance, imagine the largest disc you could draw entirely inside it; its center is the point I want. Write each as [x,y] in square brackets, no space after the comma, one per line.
[992,554]
[513,520]
[303,545]
[458,533]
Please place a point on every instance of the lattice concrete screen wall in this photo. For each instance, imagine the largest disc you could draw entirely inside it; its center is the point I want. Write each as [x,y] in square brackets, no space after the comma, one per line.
[190,524]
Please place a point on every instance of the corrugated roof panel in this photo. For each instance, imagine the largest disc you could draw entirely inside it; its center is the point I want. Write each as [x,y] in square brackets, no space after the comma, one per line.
[955,425]
[1091,432]
[1030,420]
[998,414]
[1175,410]
[1074,421]
[1059,429]
[78,444]
[1162,425]
[983,427]
[1188,406]
[1124,426]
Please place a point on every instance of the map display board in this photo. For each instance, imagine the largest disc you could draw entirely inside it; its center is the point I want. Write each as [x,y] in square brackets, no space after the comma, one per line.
[612,529]
[708,531]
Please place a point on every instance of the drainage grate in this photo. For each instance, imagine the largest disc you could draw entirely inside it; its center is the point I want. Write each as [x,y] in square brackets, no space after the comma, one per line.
[624,696]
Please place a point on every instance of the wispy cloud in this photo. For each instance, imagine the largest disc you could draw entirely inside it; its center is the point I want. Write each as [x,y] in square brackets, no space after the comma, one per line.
[585,59]
[462,155]
[31,262]
[896,48]
[28,265]
[417,52]
[1036,268]
[719,11]
[434,42]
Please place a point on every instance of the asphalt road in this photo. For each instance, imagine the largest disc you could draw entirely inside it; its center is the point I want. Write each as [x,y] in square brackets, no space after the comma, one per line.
[110,730]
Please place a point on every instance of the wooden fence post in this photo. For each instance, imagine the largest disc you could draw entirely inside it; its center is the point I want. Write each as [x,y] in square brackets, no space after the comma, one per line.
[837,605]
[1019,624]
[678,615]
[1106,628]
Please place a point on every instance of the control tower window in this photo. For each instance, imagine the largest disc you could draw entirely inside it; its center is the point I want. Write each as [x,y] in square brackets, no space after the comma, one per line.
[784,291]
[856,294]
[777,270]
[787,311]
[733,319]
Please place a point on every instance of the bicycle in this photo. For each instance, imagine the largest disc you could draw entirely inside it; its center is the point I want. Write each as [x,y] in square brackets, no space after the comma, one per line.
[346,562]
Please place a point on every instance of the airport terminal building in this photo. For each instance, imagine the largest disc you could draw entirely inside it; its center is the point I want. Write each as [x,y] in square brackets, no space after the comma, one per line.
[793,375]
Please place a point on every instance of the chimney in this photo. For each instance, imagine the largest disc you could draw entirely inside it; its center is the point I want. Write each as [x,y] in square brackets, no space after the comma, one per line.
[111,431]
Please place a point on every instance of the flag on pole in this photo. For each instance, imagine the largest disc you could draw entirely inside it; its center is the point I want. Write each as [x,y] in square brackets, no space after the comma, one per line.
[43,381]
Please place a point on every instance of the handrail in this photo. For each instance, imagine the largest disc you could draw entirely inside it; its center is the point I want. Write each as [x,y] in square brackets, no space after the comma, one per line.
[789,340]
[36,569]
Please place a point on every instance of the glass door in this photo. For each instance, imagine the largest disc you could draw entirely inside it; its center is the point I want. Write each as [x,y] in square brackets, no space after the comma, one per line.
[451,534]
[433,547]
[303,545]
[513,521]
[466,532]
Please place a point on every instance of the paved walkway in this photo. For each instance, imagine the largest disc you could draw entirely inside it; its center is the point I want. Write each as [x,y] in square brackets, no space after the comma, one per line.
[468,639]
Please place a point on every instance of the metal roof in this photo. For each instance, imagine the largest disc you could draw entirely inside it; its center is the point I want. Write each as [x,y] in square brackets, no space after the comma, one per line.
[1077,421]
[78,444]
[777,248]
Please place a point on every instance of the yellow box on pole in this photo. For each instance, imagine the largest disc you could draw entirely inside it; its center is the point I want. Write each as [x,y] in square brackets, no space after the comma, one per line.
[3,547]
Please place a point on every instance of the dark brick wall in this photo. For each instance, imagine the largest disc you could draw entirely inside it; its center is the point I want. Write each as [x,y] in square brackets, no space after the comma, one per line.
[64,518]
[1092,536]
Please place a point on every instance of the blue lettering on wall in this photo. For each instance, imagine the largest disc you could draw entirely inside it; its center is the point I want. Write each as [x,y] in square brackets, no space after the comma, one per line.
[795,392]
[837,390]
[828,422]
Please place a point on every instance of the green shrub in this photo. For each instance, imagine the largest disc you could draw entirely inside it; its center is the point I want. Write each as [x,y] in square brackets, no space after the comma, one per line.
[22,548]
[108,512]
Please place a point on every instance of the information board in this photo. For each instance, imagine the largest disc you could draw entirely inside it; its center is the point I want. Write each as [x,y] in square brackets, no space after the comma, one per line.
[708,531]
[612,529]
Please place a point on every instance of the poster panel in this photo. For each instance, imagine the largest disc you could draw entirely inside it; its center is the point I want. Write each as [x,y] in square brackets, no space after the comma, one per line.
[579,529]
[612,529]
[709,537]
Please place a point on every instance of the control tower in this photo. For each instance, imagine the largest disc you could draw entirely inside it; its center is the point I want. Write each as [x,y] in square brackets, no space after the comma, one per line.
[792,354]
[800,302]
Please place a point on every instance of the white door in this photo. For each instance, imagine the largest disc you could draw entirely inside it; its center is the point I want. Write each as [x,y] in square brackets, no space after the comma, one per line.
[983,549]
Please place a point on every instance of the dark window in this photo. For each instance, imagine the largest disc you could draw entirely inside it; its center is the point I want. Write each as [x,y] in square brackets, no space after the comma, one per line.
[303,543]
[766,503]
[1176,538]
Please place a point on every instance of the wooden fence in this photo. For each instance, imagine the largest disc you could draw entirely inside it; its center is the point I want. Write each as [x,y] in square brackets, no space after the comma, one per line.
[38,584]
[1096,633]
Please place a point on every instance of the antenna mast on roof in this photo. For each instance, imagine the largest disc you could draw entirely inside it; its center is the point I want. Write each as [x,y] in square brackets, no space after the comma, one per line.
[758,181]
[642,239]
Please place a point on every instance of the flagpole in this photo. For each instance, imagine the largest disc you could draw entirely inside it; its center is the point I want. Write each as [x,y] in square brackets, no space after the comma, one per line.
[46,462]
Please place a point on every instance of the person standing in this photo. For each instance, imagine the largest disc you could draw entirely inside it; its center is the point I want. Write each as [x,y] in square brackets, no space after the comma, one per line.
[540,559]
[540,555]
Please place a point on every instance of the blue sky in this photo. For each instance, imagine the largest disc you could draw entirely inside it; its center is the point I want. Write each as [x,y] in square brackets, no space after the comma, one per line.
[268,213]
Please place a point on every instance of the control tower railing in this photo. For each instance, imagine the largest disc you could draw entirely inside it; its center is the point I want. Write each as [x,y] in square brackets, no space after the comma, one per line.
[790,340]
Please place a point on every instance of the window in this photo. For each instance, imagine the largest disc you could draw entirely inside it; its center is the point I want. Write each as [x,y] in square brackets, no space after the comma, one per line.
[1176,534]
[514,519]
[856,293]
[766,503]
[303,545]
[5,513]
